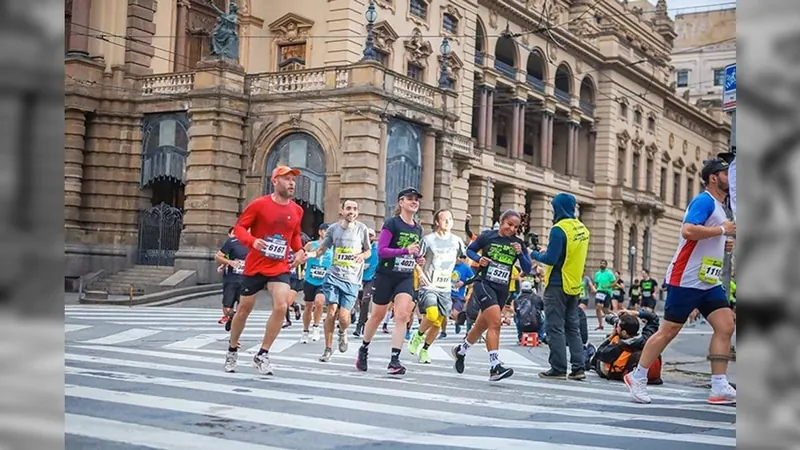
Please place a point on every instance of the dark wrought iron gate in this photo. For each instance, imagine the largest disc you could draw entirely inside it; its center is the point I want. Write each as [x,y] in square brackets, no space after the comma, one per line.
[159,235]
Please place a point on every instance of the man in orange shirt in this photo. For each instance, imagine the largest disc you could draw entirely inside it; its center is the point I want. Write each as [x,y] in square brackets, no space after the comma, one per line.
[274,221]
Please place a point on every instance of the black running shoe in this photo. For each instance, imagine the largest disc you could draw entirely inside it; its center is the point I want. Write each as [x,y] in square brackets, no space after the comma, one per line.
[459,364]
[228,323]
[577,375]
[395,368]
[361,361]
[499,372]
[552,375]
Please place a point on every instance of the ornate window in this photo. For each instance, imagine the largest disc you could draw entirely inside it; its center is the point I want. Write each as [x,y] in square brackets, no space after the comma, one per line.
[689,190]
[621,166]
[663,184]
[646,248]
[403,160]
[676,189]
[618,245]
[633,236]
[450,23]
[649,174]
[419,9]
[303,152]
[415,71]
[623,108]
[637,115]
[651,123]
[291,48]
[165,144]
[417,53]
[385,37]
[636,161]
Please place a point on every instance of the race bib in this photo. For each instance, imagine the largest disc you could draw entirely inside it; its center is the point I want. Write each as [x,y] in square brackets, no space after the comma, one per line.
[617,293]
[276,248]
[405,263]
[710,270]
[318,272]
[646,294]
[442,279]
[498,273]
[344,257]
[600,296]
[240,270]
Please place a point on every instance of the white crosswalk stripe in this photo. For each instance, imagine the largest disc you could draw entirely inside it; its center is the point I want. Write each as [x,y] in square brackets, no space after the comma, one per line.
[167,390]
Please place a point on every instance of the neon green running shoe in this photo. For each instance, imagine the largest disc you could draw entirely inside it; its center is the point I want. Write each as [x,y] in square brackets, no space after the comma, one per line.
[424,358]
[416,343]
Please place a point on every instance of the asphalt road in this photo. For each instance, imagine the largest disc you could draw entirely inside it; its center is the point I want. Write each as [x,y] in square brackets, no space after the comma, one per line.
[139,378]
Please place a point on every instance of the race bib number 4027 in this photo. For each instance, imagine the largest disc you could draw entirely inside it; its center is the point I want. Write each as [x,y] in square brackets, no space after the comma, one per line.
[405,263]
[275,248]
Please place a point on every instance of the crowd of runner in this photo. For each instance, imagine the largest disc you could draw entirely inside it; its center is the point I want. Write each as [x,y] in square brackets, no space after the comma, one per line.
[354,275]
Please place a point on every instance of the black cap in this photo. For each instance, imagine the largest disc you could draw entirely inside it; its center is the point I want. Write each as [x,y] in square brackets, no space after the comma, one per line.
[713,167]
[727,156]
[323,226]
[408,191]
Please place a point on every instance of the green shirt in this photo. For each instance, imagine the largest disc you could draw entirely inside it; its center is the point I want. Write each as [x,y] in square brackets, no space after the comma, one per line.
[603,280]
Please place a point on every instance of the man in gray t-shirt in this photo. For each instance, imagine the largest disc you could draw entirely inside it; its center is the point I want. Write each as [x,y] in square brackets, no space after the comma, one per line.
[349,240]
[441,250]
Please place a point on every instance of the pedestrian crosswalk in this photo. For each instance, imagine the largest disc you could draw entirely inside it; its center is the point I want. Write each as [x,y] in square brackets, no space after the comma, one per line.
[167,390]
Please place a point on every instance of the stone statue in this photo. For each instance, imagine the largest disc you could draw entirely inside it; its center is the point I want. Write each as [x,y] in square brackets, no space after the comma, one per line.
[224,36]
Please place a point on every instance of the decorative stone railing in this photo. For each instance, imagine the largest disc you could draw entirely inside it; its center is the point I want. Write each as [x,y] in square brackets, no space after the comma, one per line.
[167,84]
[299,81]
[414,91]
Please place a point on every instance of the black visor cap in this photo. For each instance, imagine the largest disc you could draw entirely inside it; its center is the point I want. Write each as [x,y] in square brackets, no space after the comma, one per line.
[409,192]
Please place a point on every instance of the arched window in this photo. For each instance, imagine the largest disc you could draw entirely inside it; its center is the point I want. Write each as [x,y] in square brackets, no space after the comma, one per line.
[301,151]
[165,144]
[633,238]
[646,248]
[618,245]
[403,160]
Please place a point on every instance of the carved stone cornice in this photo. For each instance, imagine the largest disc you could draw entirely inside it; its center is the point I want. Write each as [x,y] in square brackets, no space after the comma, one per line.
[291,27]
[385,36]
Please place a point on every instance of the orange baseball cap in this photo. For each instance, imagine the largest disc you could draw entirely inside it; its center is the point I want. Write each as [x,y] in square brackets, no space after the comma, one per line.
[284,170]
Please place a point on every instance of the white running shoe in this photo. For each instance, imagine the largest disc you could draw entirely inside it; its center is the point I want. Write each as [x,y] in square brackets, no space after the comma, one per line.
[304,338]
[315,334]
[262,364]
[722,396]
[638,389]
[342,341]
[230,361]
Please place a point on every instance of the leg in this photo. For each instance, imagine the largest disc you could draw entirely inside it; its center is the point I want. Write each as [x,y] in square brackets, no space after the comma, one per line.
[402,315]
[721,321]
[555,312]
[246,304]
[319,305]
[598,309]
[572,327]
[330,324]
[379,312]
[584,325]
[280,293]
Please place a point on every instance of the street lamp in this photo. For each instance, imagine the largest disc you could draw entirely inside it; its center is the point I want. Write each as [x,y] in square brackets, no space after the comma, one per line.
[632,262]
[444,49]
[369,48]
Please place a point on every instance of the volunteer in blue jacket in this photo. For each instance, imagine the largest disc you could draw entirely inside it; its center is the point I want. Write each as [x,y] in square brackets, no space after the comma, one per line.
[565,259]
[316,269]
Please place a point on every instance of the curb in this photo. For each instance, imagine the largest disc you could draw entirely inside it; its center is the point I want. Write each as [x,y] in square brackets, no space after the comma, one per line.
[163,298]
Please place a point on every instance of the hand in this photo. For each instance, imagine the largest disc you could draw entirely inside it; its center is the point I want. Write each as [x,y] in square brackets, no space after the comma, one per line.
[729,244]
[459,284]
[484,261]
[299,258]
[259,244]
[469,217]
[236,264]
[359,258]
[421,261]
[413,249]
[221,268]
[730,228]
[517,248]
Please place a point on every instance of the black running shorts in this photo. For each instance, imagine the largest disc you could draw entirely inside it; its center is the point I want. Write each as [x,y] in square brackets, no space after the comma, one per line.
[252,284]
[385,287]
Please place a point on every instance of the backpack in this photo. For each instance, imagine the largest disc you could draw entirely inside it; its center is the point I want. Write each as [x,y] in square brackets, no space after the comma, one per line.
[625,363]
[589,351]
[527,314]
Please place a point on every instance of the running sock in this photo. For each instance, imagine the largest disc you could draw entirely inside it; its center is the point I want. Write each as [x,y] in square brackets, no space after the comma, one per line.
[718,381]
[426,345]
[305,330]
[420,333]
[364,344]
[640,373]
[395,354]
[464,347]
[263,351]
[232,349]
[494,358]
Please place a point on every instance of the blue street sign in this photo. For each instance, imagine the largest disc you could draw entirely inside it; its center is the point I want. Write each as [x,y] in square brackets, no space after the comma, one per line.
[729,89]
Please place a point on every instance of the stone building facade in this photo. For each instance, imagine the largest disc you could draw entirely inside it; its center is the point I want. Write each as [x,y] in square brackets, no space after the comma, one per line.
[530,102]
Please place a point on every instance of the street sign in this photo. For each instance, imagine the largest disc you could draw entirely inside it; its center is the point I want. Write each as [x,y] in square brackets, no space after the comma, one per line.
[729,90]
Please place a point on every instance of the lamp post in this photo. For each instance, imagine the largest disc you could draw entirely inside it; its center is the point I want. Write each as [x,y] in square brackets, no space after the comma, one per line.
[632,263]
[369,48]
[444,49]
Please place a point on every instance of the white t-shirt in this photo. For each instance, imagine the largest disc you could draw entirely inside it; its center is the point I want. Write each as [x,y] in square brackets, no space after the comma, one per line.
[698,264]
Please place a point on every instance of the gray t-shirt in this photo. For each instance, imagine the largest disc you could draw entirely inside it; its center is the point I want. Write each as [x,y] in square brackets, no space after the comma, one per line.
[441,255]
[346,244]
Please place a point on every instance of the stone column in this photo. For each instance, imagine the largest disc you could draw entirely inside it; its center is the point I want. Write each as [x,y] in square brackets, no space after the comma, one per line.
[442,194]
[576,150]
[380,205]
[541,216]
[139,50]
[521,140]
[478,199]
[74,145]
[428,177]
[490,136]
[590,175]
[482,117]
[512,197]
[78,45]
[213,166]
[571,138]
[543,140]
[181,46]
[361,166]
[548,142]
[514,144]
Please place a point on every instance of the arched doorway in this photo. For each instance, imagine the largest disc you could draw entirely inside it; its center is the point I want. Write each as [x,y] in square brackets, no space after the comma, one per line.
[165,144]
[303,152]
[403,160]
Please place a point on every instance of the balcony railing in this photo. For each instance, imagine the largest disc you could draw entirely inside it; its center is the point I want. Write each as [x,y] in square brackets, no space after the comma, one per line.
[479,56]
[587,108]
[562,96]
[505,69]
[167,84]
[535,83]
[299,81]
[415,91]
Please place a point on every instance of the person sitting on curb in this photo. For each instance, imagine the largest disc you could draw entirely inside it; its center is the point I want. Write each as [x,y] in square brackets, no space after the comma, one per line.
[620,352]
